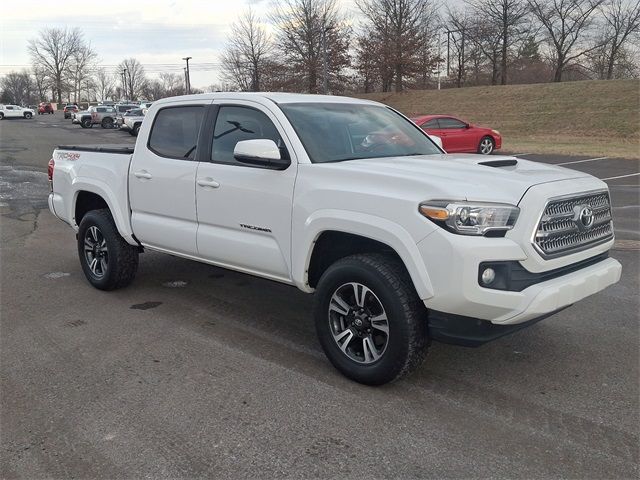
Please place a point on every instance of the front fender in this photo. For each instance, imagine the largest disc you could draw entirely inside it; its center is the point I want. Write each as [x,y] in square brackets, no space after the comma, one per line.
[355,223]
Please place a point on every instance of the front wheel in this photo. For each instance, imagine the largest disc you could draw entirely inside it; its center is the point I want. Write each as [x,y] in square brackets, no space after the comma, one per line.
[28,115]
[486,146]
[86,123]
[370,321]
[107,260]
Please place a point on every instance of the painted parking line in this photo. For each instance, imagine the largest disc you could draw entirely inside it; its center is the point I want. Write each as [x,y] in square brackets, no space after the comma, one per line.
[583,161]
[622,176]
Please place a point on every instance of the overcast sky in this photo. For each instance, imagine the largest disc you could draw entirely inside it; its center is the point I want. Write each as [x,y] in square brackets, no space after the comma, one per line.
[156,32]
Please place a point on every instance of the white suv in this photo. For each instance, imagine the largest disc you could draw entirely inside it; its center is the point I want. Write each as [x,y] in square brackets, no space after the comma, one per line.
[15,111]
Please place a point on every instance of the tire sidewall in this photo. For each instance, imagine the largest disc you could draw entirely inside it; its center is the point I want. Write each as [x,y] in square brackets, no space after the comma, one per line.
[86,123]
[389,366]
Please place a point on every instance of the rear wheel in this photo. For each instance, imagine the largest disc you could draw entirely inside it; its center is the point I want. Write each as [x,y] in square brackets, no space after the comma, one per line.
[134,131]
[107,260]
[486,145]
[370,321]
[1,116]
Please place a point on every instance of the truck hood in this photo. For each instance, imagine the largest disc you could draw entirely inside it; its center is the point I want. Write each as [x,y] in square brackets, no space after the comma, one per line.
[461,176]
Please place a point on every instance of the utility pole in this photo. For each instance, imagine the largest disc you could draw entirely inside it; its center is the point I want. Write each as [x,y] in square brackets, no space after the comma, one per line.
[184,70]
[439,52]
[124,83]
[188,78]
[325,62]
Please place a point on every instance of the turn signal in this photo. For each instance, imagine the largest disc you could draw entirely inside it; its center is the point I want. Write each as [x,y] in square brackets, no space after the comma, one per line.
[434,213]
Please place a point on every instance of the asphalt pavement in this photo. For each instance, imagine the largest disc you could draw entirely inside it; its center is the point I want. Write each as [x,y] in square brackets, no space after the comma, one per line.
[195,371]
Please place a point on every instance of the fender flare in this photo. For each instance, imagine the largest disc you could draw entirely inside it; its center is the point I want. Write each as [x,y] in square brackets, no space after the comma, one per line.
[364,225]
[120,215]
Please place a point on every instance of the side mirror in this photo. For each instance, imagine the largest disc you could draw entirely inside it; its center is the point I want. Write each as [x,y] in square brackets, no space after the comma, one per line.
[437,140]
[260,153]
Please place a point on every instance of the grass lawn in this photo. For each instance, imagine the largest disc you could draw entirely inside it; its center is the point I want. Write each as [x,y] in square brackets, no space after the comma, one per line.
[595,118]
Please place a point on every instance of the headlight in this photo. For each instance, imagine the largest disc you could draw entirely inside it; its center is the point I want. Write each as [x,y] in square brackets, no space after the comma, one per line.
[466,218]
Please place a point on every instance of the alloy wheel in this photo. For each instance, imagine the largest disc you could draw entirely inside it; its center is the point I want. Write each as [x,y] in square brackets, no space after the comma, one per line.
[95,251]
[358,323]
[486,146]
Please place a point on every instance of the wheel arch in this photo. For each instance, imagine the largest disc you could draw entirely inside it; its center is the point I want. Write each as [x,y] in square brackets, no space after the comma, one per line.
[334,235]
[89,197]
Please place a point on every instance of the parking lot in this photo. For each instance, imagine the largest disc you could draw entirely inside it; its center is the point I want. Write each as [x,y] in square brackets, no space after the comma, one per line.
[195,371]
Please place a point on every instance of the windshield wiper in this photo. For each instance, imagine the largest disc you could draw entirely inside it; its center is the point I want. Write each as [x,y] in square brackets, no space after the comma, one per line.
[186,155]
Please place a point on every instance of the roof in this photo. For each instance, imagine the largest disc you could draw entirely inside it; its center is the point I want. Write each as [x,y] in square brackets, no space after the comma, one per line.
[276,97]
[424,118]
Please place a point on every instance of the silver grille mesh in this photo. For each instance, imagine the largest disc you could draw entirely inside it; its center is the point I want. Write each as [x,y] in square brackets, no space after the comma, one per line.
[561,229]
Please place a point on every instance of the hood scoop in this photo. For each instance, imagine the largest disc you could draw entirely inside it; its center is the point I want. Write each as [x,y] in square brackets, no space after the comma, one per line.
[500,163]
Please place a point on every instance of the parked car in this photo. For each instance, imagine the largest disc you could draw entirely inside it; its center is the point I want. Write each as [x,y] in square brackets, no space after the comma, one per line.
[15,111]
[131,121]
[459,136]
[121,109]
[103,116]
[401,243]
[70,109]
[145,106]
[45,107]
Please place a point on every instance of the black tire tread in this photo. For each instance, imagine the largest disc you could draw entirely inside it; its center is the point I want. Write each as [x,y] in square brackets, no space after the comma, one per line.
[414,311]
[126,255]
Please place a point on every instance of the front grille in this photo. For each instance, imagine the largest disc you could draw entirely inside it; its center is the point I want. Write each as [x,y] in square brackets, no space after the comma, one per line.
[574,223]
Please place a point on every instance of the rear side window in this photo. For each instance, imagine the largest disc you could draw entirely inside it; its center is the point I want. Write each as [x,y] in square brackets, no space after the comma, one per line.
[234,124]
[447,123]
[431,125]
[175,132]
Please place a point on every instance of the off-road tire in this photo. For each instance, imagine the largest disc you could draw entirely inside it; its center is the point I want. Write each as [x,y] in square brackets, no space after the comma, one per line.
[86,123]
[408,340]
[134,131]
[122,262]
[28,115]
[107,123]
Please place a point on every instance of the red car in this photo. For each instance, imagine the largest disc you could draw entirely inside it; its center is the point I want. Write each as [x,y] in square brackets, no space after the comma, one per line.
[44,107]
[459,136]
[70,109]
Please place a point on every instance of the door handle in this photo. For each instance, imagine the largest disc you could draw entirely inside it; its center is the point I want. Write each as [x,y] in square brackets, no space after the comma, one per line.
[208,182]
[143,174]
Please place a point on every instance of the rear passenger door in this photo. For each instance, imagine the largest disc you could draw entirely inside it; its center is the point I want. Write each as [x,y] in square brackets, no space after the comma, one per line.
[162,180]
[244,212]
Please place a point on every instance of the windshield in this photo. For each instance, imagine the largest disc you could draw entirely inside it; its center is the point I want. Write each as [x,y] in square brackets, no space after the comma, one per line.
[334,132]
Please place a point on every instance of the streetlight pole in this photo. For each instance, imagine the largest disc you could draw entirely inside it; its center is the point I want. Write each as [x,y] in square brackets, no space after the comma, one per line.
[188,81]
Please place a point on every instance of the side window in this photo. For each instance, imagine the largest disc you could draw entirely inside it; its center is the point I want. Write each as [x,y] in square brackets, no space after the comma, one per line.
[9,107]
[431,125]
[101,110]
[235,124]
[450,123]
[175,132]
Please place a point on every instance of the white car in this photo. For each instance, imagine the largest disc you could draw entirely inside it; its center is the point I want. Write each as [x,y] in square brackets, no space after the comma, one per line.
[349,199]
[15,111]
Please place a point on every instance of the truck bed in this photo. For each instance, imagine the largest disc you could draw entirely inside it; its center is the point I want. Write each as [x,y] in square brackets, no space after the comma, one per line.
[125,149]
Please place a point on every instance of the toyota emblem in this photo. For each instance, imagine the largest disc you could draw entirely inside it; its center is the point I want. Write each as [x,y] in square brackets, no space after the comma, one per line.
[586,217]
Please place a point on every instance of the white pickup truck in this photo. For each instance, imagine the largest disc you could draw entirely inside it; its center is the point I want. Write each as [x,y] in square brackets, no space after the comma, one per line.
[401,242]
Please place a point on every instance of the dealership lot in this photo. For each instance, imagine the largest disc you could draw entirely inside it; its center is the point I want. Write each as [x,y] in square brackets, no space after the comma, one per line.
[198,371]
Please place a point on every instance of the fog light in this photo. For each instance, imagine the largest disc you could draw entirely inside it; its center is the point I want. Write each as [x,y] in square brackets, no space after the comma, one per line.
[488,276]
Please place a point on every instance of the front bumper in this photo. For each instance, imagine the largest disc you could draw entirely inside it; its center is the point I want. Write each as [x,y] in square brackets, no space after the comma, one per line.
[453,262]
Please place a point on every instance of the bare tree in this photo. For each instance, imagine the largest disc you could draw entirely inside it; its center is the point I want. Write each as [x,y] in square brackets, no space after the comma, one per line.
[565,23]
[135,77]
[247,52]
[503,17]
[400,24]
[104,83]
[313,41]
[460,23]
[80,69]
[17,87]
[42,82]
[622,22]
[53,50]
